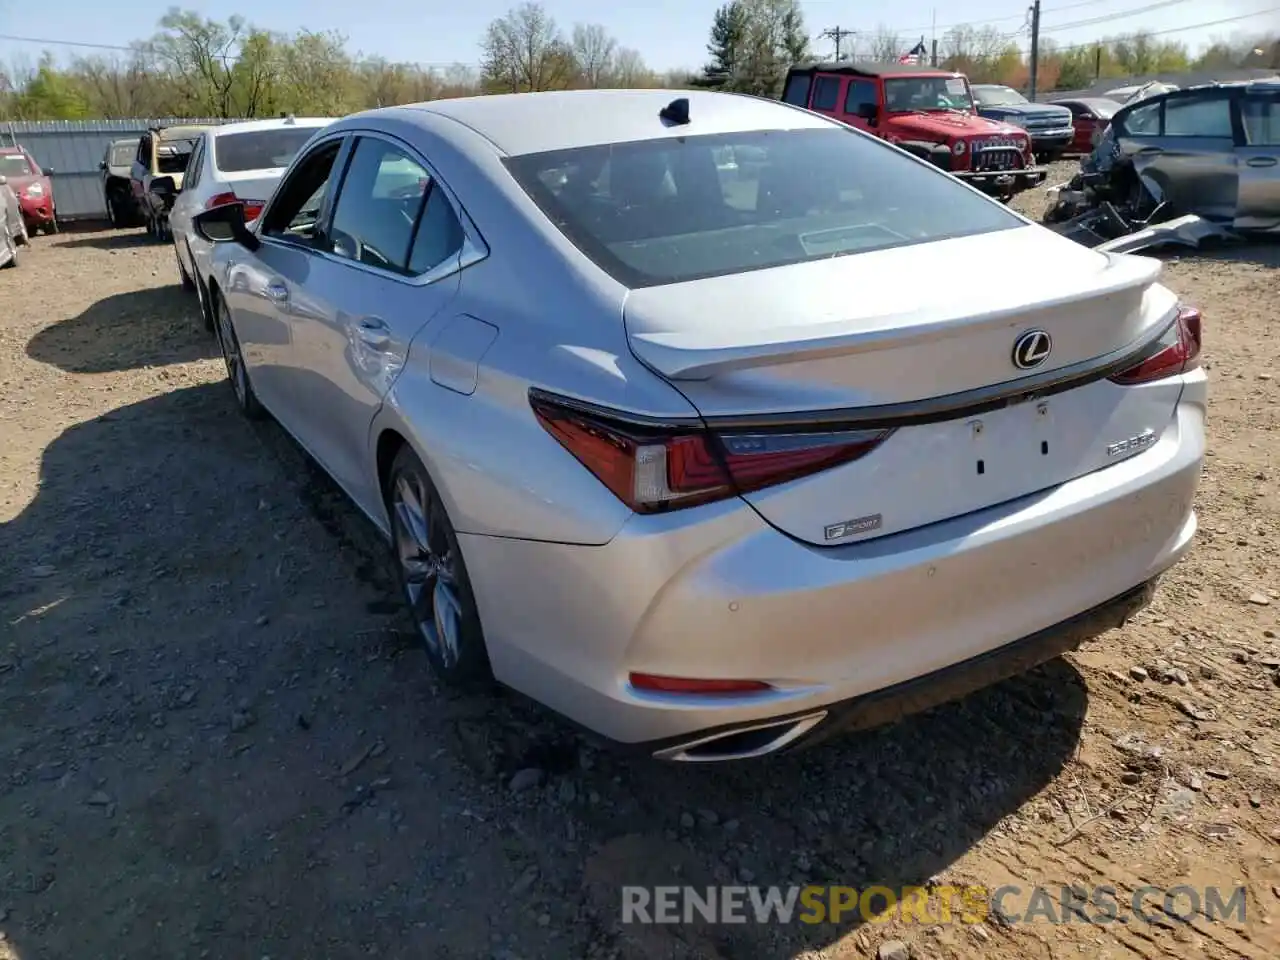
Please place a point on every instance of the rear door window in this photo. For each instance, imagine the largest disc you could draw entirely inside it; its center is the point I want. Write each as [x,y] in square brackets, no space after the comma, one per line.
[826,93]
[1260,114]
[1198,115]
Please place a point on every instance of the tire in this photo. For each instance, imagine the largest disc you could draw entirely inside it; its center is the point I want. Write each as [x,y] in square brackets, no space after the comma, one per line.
[433,577]
[113,213]
[188,284]
[206,313]
[23,239]
[238,376]
[51,227]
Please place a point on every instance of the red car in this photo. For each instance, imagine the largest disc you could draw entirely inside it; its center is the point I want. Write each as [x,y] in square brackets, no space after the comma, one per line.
[1089,117]
[33,187]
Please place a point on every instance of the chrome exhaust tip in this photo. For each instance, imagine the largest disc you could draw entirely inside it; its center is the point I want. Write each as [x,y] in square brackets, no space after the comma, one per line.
[742,743]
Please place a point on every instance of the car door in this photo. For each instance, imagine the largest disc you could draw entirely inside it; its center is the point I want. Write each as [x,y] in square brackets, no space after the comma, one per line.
[1258,161]
[390,266]
[140,170]
[861,97]
[265,287]
[186,205]
[1192,156]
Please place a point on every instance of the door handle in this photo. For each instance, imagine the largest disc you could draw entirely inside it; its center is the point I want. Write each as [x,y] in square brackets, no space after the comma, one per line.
[373,332]
[1262,161]
[277,291]
[1149,151]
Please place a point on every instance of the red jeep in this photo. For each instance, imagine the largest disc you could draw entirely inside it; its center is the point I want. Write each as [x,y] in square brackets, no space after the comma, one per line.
[33,188]
[926,111]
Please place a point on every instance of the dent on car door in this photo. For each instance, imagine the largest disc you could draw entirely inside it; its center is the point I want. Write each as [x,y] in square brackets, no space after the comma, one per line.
[267,287]
[1191,160]
[393,244]
[1258,162]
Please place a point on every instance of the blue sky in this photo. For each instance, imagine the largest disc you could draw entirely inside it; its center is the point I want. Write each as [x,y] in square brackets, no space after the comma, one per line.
[668,33]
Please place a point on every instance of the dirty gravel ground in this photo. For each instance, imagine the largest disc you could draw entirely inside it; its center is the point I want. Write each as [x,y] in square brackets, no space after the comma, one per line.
[218,739]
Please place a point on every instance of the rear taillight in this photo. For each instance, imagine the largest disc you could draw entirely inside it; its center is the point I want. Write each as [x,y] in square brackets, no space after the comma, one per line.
[252,208]
[1181,355]
[664,468]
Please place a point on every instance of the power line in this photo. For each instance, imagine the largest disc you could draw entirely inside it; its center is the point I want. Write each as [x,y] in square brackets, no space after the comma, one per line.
[1019,16]
[1160,33]
[1118,15]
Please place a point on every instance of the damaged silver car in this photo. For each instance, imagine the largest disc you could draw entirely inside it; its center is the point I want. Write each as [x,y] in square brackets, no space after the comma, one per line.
[1210,152]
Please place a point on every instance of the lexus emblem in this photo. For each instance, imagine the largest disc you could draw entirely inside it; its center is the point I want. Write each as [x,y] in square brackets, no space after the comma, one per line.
[1031,349]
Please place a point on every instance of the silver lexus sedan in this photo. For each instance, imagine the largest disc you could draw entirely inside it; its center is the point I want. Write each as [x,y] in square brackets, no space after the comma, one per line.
[714,458]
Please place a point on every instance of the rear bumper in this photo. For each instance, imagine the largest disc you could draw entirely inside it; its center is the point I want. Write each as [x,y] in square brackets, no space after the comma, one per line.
[913,696]
[1012,181]
[715,592]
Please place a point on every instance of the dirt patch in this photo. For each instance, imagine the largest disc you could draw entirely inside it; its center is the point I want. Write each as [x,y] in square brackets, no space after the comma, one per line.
[218,737]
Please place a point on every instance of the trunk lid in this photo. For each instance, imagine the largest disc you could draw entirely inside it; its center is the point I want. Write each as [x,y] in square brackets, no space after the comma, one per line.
[914,331]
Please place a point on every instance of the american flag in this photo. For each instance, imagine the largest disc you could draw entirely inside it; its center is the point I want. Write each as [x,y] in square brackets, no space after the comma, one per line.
[915,55]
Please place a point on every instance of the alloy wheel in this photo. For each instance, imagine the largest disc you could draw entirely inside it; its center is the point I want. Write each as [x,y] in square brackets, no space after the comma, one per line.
[428,567]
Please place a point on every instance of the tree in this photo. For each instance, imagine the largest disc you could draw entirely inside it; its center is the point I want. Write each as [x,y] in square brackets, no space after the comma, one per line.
[523,51]
[752,44]
[594,50]
[728,42]
[50,95]
[886,45]
[630,70]
[201,55]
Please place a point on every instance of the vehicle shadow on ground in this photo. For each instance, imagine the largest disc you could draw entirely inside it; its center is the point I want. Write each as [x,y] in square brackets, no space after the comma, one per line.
[1262,251]
[123,239]
[151,327]
[167,578]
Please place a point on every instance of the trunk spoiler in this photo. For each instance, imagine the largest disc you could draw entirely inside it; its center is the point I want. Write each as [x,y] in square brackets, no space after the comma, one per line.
[695,354]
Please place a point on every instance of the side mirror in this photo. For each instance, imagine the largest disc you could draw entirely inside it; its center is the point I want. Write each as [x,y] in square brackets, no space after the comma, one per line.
[164,186]
[49,171]
[102,165]
[3,180]
[868,112]
[225,224]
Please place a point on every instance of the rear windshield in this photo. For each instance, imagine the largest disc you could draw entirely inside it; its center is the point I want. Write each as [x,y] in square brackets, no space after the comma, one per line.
[259,149]
[172,156]
[665,211]
[997,96]
[14,165]
[122,154]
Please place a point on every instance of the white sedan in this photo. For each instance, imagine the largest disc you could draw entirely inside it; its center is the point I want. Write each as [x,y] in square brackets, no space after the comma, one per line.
[231,163]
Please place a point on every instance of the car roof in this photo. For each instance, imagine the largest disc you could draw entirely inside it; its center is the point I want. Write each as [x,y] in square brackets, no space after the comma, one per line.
[524,123]
[991,86]
[185,132]
[274,123]
[874,69]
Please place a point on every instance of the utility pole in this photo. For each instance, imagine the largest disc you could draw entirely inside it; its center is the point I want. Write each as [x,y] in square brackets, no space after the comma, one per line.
[1035,47]
[836,34]
[1097,63]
